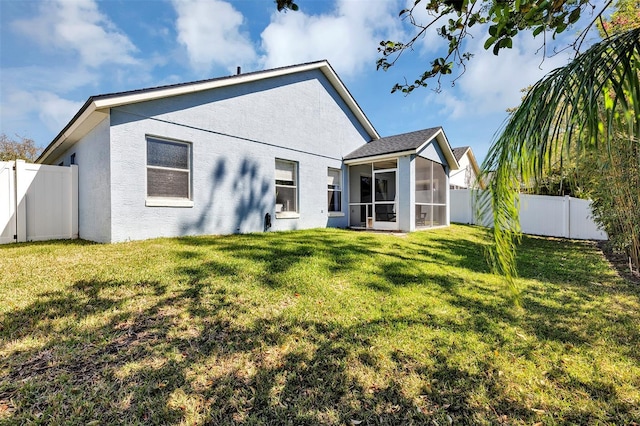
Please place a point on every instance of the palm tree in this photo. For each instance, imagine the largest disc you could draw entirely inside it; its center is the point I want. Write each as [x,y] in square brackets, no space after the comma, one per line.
[591,105]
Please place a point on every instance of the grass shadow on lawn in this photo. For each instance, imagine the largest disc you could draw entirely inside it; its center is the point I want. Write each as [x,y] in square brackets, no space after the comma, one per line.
[572,280]
[320,329]
[139,367]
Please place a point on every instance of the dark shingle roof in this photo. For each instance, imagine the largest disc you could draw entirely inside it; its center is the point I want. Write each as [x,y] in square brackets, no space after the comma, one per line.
[459,151]
[109,100]
[196,82]
[392,144]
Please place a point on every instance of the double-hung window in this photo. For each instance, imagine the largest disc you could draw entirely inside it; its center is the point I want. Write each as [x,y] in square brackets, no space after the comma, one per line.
[168,172]
[286,188]
[334,191]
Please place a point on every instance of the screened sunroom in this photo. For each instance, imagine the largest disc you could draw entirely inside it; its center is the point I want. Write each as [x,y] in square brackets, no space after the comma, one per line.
[400,183]
[373,195]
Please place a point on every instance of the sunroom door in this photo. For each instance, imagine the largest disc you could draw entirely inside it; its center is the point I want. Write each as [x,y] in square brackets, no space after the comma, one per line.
[385,204]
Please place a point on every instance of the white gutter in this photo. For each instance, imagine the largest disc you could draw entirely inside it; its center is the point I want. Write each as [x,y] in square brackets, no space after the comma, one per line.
[368,159]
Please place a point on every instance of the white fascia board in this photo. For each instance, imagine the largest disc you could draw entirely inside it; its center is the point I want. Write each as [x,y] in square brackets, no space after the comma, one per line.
[100,105]
[349,100]
[472,160]
[72,128]
[476,167]
[448,152]
[168,92]
[324,67]
[365,160]
[444,146]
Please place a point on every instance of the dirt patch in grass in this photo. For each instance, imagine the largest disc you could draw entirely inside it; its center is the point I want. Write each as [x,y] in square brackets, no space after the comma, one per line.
[620,262]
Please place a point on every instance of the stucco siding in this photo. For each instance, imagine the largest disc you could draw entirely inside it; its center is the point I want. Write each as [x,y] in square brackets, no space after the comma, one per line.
[433,152]
[236,133]
[94,196]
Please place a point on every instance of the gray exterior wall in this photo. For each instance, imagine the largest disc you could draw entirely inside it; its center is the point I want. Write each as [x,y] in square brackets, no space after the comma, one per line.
[94,195]
[406,193]
[433,152]
[236,133]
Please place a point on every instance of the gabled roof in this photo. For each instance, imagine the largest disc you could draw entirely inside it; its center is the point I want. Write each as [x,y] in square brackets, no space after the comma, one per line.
[460,152]
[405,143]
[96,108]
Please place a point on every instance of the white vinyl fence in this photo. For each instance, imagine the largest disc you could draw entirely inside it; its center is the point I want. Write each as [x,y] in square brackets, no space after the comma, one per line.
[37,202]
[565,217]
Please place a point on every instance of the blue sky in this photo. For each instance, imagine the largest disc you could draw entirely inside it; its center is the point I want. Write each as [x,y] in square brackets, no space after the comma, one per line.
[57,53]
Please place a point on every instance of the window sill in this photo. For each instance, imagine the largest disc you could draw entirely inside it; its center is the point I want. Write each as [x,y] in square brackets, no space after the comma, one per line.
[168,202]
[287,215]
[336,214]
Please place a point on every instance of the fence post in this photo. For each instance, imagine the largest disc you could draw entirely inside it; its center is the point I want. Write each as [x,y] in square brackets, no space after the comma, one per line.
[21,202]
[7,202]
[566,225]
[74,201]
[470,205]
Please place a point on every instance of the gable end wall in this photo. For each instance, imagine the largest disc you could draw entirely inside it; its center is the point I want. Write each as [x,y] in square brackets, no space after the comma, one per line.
[236,133]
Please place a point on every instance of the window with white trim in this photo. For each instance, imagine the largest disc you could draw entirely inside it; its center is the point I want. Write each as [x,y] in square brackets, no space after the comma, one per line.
[334,190]
[286,186]
[168,169]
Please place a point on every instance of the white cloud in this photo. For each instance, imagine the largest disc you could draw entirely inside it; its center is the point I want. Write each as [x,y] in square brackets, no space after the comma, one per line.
[80,27]
[211,33]
[492,83]
[26,112]
[31,100]
[52,110]
[348,36]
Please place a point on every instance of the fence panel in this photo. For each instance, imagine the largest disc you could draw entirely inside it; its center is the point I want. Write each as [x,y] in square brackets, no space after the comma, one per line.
[44,202]
[582,226]
[7,202]
[544,215]
[539,215]
[463,207]
[461,210]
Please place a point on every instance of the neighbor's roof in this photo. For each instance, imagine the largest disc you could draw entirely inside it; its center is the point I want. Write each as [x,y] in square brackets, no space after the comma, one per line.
[460,151]
[96,108]
[406,143]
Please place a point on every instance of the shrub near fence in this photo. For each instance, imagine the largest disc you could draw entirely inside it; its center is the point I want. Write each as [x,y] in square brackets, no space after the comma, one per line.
[565,217]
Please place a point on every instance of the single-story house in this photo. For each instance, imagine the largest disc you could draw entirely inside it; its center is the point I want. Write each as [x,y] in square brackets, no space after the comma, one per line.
[466,177]
[280,149]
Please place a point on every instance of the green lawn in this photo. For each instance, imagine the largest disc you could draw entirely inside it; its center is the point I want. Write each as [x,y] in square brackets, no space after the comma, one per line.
[315,327]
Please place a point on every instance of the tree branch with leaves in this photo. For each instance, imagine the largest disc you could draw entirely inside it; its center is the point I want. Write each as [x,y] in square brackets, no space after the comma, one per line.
[21,149]
[505,20]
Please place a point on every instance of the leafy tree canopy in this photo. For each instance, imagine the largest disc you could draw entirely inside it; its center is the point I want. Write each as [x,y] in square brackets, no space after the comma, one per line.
[625,17]
[453,19]
[22,149]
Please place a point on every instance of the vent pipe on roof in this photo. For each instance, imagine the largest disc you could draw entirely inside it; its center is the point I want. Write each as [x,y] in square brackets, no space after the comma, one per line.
[239,71]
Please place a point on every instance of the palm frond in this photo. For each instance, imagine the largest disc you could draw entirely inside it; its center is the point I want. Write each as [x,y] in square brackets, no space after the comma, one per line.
[573,109]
